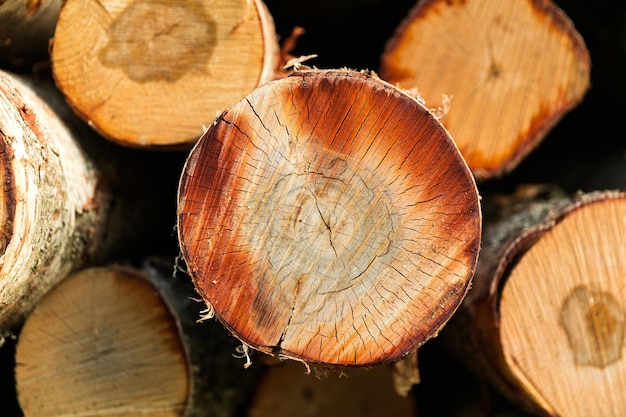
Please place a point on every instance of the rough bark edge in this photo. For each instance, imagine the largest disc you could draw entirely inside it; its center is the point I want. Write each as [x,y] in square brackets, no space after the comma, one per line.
[112,223]
[218,385]
[271,53]
[67,187]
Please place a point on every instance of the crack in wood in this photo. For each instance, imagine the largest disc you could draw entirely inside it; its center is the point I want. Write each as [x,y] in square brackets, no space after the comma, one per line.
[330,232]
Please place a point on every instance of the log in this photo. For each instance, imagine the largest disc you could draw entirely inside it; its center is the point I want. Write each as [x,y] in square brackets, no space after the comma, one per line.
[26,28]
[349,393]
[53,208]
[328,217]
[546,316]
[124,341]
[151,74]
[512,69]
[71,198]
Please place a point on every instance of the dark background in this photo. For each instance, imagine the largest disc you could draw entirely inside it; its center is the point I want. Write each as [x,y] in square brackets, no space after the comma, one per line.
[585,151]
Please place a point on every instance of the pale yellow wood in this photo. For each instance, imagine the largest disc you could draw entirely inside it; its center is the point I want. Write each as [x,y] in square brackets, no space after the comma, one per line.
[562,314]
[103,343]
[157,72]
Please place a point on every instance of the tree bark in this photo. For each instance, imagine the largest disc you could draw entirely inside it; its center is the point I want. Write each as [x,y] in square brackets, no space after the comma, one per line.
[546,316]
[53,207]
[154,74]
[70,197]
[125,341]
[328,217]
[506,71]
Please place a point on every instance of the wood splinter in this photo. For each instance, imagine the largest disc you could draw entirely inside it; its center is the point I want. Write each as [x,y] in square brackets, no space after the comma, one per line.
[328,217]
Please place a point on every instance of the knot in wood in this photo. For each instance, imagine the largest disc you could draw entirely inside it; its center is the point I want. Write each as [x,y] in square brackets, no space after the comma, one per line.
[594,323]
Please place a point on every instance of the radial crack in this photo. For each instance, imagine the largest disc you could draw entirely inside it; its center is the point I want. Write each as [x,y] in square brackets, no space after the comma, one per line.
[330,232]
[277,349]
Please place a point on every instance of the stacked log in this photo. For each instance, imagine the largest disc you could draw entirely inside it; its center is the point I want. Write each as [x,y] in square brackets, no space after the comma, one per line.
[545,319]
[152,74]
[125,341]
[70,198]
[503,72]
[328,217]
[351,392]
[54,205]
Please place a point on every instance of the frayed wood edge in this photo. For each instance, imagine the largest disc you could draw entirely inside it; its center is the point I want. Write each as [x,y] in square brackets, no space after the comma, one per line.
[178,267]
[207,314]
[440,112]
[7,335]
[243,351]
[282,356]
[297,63]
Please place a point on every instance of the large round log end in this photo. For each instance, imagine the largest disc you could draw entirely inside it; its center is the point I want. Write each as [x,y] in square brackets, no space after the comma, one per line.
[329,217]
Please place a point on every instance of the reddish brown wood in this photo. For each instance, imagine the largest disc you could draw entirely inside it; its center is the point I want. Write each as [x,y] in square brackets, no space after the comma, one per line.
[329,217]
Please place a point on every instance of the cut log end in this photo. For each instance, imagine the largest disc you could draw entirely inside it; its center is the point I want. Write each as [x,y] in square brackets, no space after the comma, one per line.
[562,313]
[513,70]
[353,392]
[102,341]
[329,217]
[148,73]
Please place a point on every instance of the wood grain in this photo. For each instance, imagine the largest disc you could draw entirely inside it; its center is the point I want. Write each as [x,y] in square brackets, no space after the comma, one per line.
[153,73]
[513,68]
[329,217]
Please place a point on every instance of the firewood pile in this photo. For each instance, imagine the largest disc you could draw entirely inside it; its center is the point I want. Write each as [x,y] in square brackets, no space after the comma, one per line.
[352,208]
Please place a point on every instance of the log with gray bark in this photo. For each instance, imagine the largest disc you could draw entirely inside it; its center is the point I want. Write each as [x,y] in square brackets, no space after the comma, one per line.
[126,341]
[545,320]
[69,197]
